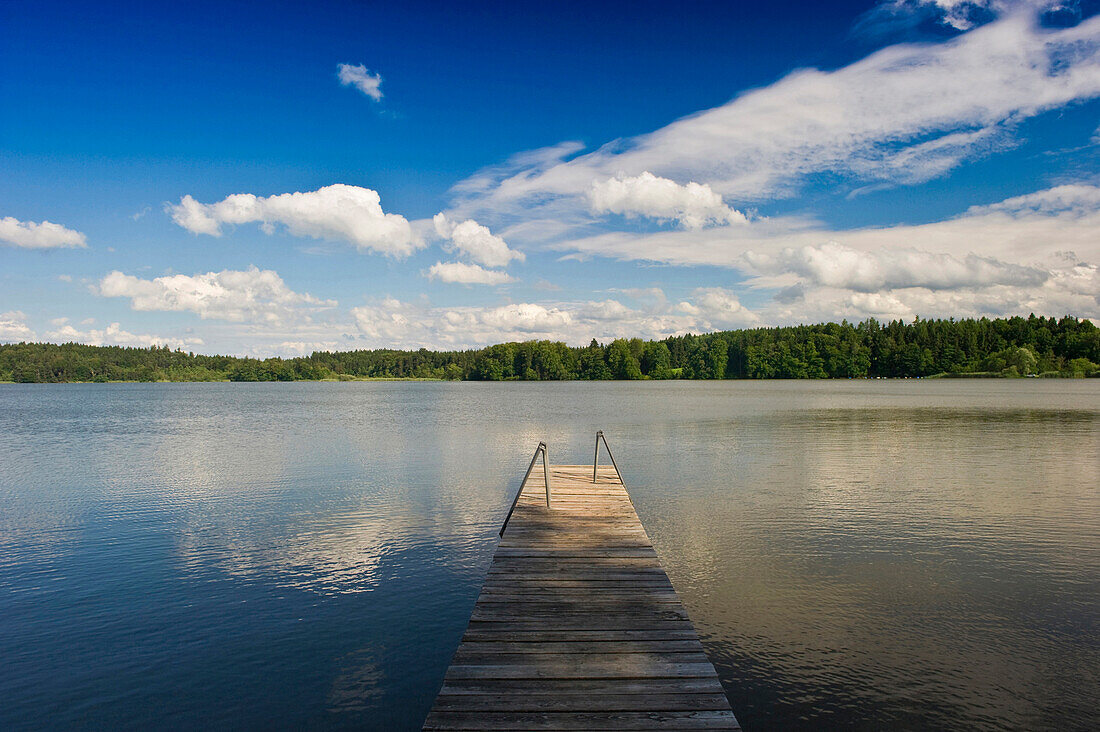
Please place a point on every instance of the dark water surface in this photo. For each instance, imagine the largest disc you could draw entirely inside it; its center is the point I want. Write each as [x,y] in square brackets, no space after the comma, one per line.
[861,554]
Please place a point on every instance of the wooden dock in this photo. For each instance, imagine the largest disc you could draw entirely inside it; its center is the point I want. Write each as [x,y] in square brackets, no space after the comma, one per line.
[577,626]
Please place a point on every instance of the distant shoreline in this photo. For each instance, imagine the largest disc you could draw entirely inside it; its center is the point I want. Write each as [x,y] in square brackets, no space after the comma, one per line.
[355,379]
[971,348]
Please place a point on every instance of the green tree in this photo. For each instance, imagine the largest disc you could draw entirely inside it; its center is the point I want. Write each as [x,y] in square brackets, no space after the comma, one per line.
[656,360]
[622,362]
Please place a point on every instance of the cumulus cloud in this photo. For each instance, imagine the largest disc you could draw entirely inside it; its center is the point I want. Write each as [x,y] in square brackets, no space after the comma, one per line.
[45,235]
[114,335]
[476,242]
[338,212]
[363,80]
[467,274]
[719,308]
[905,114]
[14,328]
[693,205]
[251,295]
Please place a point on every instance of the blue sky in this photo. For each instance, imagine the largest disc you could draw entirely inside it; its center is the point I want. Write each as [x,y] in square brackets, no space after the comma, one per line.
[266,179]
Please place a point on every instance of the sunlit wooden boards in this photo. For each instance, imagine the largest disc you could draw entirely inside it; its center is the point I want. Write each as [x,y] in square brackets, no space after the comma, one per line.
[577,626]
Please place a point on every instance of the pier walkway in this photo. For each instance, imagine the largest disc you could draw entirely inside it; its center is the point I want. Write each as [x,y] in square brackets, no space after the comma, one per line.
[577,625]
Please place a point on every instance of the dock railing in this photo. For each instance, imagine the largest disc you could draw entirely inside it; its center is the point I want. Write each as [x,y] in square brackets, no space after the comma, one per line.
[596,457]
[541,450]
[546,475]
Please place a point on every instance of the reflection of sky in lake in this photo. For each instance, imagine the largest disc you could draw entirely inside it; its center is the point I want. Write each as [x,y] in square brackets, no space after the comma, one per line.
[856,553]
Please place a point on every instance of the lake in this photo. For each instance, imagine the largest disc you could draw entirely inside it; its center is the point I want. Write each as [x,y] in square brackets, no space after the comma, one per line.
[861,554]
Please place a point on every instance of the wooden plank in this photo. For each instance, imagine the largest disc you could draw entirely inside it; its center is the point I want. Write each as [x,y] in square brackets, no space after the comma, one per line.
[627,594]
[582,702]
[580,665]
[604,669]
[577,625]
[495,634]
[454,720]
[581,614]
[589,687]
[593,622]
[582,647]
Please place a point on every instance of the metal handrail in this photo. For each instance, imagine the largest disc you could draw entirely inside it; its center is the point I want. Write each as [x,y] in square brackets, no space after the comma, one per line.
[546,475]
[596,457]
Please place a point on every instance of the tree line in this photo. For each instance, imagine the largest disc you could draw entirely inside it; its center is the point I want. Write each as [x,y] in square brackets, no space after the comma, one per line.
[1015,346]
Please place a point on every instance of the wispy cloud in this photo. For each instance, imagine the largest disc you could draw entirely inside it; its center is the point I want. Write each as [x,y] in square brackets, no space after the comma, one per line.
[362,79]
[903,115]
[960,16]
[45,235]
[338,212]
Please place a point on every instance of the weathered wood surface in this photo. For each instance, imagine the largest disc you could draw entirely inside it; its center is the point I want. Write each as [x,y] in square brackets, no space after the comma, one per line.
[577,626]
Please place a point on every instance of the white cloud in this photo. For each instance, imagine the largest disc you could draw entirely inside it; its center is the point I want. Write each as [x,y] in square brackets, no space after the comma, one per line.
[1017,230]
[338,212]
[46,235]
[831,304]
[363,80]
[467,274]
[1076,199]
[904,114]
[957,14]
[960,15]
[394,323]
[834,265]
[719,308]
[1037,252]
[476,242]
[693,205]
[251,295]
[14,328]
[114,335]
[304,348]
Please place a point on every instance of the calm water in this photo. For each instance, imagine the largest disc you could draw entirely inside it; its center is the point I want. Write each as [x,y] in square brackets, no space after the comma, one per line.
[861,554]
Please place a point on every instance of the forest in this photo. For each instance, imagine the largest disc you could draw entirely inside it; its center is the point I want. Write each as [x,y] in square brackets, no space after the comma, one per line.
[1002,347]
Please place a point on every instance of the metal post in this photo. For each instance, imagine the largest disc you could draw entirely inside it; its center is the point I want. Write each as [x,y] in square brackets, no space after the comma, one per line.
[546,473]
[596,455]
[612,456]
[542,448]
